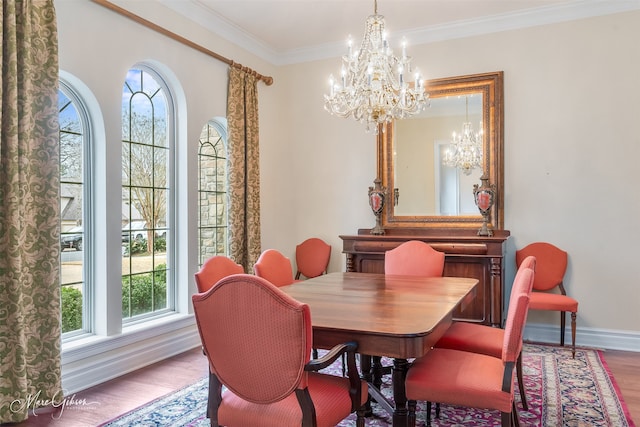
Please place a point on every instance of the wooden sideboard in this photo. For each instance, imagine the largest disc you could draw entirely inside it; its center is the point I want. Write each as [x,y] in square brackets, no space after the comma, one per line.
[466,255]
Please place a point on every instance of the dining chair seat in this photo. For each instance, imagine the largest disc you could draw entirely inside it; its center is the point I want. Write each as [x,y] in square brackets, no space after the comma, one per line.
[484,339]
[549,293]
[470,379]
[553,302]
[329,393]
[258,342]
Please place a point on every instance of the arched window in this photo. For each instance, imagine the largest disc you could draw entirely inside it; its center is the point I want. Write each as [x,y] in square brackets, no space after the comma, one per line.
[74,211]
[212,190]
[147,146]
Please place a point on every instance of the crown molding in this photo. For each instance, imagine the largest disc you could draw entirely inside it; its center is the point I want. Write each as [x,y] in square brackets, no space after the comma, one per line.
[574,10]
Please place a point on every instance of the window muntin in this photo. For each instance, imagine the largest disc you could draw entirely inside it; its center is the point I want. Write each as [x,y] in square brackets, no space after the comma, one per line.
[74,208]
[212,191]
[147,287]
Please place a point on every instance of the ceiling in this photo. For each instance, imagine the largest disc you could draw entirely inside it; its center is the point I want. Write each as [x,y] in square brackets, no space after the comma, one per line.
[290,31]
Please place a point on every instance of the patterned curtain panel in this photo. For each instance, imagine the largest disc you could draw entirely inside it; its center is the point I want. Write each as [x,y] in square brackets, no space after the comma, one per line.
[29,209]
[244,168]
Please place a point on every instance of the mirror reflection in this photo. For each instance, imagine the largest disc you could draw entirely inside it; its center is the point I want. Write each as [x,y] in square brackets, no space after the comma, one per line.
[431,177]
[413,156]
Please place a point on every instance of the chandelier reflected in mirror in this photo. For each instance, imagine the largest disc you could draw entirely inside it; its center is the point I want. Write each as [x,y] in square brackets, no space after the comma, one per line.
[465,152]
[374,85]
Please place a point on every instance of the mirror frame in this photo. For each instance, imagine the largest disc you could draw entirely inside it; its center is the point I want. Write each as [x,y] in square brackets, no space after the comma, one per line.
[491,87]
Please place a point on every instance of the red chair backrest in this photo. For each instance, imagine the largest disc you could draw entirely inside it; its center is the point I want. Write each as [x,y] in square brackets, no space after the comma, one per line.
[551,264]
[275,267]
[214,269]
[257,338]
[414,258]
[517,315]
[528,263]
[312,257]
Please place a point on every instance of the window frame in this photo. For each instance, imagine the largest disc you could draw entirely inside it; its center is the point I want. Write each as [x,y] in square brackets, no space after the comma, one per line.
[172,268]
[88,292]
[220,126]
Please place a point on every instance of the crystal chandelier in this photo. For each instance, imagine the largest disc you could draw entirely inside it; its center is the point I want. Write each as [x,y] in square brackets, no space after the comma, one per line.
[373,85]
[465,152]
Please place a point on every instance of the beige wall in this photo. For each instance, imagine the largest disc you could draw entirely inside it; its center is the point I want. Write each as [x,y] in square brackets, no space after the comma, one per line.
[571,149]
[571,140]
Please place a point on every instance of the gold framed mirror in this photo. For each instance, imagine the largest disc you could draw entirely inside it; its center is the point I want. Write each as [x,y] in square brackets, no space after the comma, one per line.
[423,189]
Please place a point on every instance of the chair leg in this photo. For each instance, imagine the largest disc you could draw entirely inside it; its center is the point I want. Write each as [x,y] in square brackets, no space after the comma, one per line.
[360,415]
[515,416]
[563,325]
[523,395]
[210,397]
[378,371]
[412,413]
[429,412]
[573,334]
[510,419]
[506,419]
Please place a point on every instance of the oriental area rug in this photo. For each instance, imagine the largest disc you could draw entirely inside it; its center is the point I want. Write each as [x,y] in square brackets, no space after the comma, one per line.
[561,391]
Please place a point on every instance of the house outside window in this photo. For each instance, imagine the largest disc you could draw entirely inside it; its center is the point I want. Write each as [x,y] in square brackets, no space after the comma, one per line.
[212,190]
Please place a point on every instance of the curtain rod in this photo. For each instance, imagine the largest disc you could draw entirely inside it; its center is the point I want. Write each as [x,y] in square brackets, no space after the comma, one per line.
[266,79]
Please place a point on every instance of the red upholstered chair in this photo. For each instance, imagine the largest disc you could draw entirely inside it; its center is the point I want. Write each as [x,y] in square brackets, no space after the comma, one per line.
[485,339]
[414,258]
[471,379]
[551,265]
[258,340]
[275,267]
[214,269]
[312,258]
[411,258]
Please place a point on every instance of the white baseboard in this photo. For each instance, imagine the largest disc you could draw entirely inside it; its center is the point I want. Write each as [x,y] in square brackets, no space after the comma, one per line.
[103,359]
[585,337]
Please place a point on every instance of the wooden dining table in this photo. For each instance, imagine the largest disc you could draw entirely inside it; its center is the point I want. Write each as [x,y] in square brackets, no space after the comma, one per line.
[399,317]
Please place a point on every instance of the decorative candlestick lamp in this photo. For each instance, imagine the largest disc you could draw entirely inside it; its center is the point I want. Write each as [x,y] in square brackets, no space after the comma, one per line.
[484,196]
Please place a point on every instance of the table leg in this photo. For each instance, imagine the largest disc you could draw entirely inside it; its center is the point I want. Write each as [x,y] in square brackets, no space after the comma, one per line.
[400,413]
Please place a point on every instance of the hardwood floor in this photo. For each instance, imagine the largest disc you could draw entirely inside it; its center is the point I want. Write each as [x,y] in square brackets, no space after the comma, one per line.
[624,366]
[125,393]
[135,389]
